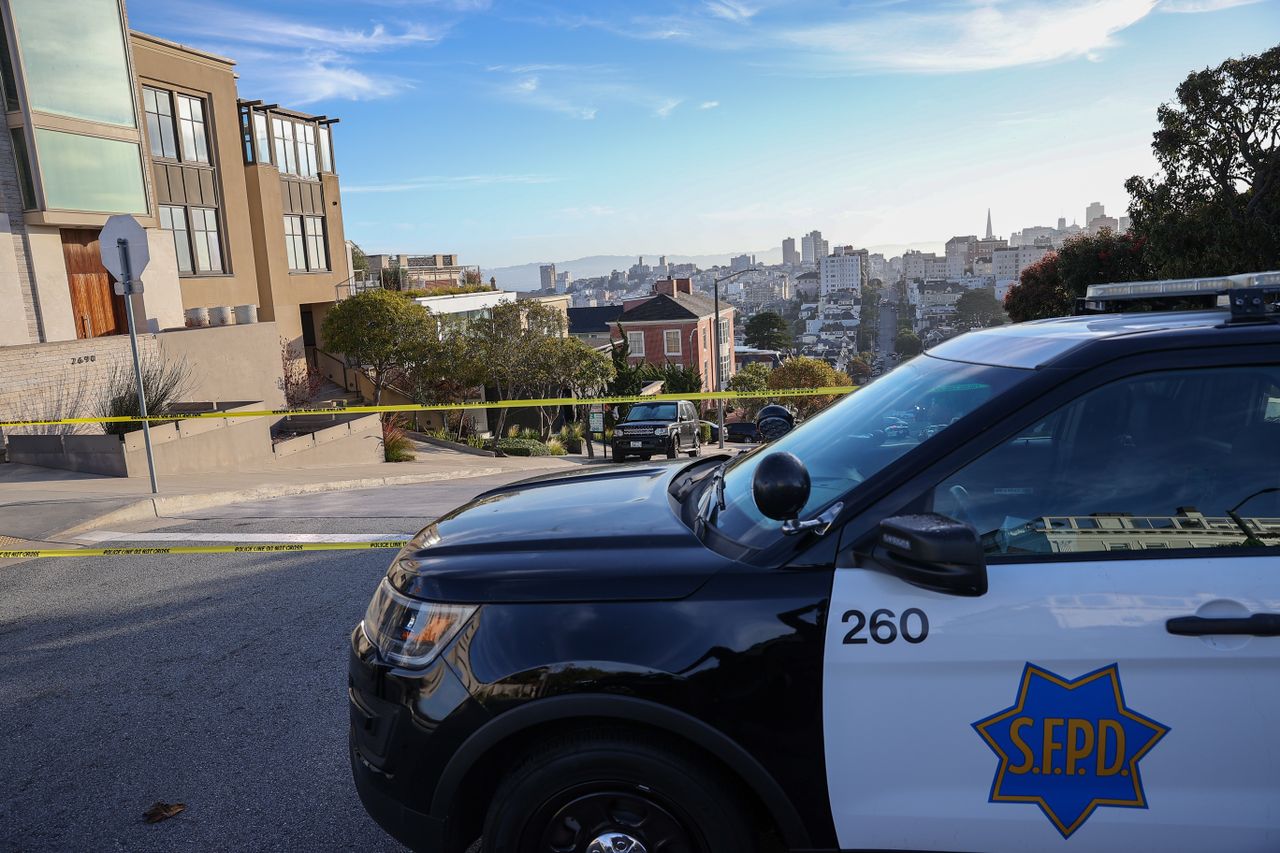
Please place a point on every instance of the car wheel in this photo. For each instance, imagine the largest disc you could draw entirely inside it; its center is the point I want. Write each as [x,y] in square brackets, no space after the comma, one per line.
[673,449]
[610,790]
[697,448]
[619,457]
[645,457]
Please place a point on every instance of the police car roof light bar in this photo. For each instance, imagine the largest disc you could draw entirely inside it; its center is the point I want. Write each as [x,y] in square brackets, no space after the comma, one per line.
[1250,296]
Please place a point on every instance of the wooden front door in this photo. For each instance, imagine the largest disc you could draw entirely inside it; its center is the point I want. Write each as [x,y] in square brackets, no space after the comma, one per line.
[96,308]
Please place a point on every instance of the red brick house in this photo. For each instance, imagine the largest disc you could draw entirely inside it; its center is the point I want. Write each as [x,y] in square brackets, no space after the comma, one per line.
[675,325]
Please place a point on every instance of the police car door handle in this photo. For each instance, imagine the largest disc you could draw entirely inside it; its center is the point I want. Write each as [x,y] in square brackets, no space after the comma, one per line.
[1257,625]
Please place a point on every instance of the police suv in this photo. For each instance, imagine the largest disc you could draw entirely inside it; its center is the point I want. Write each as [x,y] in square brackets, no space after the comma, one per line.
[1045,615]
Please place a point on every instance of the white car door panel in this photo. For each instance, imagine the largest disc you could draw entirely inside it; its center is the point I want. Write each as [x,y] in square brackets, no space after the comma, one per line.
[1034,718]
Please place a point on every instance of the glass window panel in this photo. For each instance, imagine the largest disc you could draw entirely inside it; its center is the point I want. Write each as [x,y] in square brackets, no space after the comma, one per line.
[307,150]
[89,173]
[24,168]
[317,251]
[326,150]
[262,140]
[159,123]
[204,224]
[1181,459]
[293,243]
[286,154]
[195,145]
[10,81]
[173,220]
[75,63]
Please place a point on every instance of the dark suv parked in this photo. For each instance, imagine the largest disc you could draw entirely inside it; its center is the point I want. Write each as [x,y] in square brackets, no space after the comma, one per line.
[659,427]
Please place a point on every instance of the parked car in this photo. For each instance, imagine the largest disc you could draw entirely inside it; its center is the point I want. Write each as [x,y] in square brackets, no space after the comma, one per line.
[663,426]
[742,432]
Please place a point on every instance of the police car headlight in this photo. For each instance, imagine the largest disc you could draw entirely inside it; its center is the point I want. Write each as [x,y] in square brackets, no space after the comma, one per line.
[660,431]
[409,631]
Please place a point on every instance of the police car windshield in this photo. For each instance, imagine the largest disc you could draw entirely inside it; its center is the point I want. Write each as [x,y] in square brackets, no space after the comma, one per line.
[860,435]
[652,412]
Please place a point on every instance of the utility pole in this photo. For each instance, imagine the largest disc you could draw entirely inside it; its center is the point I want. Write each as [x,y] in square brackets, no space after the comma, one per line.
[715,343]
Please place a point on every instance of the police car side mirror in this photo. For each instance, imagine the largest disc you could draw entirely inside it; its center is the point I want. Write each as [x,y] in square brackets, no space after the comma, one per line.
[780,486]
[934,552]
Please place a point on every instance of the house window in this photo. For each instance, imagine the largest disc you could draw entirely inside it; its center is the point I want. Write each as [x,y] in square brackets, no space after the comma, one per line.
[261,138]
[195,144]
[317,254]
[307,150]
[286,156]
[326,150]
[671,342]
[174,220]
[724,332]
[204,233]
[24,168]
[295,243]
[159,109]
[635,342]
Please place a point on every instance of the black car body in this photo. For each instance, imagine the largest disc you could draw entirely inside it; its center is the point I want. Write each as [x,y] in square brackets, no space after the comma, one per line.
[741,432]
[611,598]
[661,427]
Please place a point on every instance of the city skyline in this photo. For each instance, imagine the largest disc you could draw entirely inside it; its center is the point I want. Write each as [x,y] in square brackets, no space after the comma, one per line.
[511,134]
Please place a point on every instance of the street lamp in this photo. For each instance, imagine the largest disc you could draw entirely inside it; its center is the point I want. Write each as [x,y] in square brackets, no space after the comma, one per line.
[715,344]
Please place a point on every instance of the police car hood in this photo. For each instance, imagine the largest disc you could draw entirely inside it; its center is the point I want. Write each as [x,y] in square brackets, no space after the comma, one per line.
[609,535]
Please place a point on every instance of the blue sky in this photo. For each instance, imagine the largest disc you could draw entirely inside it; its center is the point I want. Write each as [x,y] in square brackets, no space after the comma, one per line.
[512,131]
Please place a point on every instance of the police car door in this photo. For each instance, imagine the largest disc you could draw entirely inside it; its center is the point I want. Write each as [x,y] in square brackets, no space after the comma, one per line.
[1118,686]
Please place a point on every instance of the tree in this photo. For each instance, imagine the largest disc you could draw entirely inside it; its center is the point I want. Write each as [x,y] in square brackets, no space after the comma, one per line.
[908,344]
[377,331]
[978,308]
[752,377]
[768,330]
[804,372]
[1101,259]
[859,368]
[505,344]
[359,261]
[1214,207]
[1039,293]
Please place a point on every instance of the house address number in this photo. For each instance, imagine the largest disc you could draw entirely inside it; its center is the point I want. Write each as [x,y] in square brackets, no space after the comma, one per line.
[83,359]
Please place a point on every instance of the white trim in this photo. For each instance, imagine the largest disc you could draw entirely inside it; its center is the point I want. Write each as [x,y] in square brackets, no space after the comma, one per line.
[666,342]
[634,350]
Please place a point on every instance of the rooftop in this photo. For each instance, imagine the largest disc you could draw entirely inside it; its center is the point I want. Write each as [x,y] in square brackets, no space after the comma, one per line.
[595,319]
[682,306]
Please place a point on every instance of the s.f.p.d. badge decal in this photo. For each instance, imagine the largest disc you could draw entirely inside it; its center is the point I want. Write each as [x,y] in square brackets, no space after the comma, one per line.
[1069,746]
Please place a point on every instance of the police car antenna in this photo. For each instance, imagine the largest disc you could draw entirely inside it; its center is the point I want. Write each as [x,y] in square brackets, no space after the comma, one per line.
[1251,297]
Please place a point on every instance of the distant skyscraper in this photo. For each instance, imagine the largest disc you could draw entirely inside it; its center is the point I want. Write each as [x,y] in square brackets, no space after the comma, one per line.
[548,276]
[812,247]
[989,234]
[1092,212]
[789,253]
[1062,223]
[563,278]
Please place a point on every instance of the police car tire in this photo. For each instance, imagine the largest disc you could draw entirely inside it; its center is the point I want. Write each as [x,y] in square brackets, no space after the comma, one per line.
[702,799]
[673,447]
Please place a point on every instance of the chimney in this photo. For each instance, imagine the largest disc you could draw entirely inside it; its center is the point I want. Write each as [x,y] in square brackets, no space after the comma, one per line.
[672,286]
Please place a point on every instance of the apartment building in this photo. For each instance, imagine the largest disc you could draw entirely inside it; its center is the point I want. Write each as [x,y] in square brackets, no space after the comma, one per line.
[675,325]
[843,269]
[239,200]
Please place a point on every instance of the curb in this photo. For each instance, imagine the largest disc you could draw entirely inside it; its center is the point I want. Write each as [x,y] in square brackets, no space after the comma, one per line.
[162,505]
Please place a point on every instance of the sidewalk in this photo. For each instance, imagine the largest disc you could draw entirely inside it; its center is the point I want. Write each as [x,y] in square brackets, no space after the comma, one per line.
[48,505]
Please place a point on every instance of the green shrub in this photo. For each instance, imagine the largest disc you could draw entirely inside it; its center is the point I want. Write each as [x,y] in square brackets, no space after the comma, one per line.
[165,383]
[704,432]
[396,446]
[555,447]
[530,434]
[477,442]
[571,436]
[523,447]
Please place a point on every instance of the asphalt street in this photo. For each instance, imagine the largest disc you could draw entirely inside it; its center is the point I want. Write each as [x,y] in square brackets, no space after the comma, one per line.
[216,681]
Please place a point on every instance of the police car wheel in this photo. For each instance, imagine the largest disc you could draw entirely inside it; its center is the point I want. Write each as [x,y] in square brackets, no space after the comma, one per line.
[673,449]
[613,791]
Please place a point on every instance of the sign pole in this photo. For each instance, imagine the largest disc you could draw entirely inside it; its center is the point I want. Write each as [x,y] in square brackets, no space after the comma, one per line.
[127,281]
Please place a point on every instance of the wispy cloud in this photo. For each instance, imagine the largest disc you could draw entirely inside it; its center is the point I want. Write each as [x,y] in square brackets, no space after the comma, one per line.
[730,10]
[708,105]
[1194,6]
[447,182]
[578,91]
[982,36]
[299,62]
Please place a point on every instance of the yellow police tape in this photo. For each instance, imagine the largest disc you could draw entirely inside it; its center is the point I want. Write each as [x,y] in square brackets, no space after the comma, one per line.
[200,549]
[443,407]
